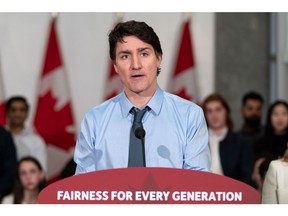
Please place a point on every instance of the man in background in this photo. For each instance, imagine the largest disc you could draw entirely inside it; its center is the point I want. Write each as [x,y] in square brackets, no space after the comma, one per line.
[27,141]
[252,111]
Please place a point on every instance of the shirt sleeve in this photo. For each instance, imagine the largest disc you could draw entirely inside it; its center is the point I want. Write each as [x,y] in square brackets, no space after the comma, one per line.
[84,155]
[197,153]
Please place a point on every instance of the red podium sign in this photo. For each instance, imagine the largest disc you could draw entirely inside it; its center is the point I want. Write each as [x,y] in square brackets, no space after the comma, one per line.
[149,186]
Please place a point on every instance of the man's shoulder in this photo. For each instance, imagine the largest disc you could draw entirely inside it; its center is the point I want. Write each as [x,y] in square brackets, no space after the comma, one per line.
[181,102]
[32,134]
[103,107]
[278,164]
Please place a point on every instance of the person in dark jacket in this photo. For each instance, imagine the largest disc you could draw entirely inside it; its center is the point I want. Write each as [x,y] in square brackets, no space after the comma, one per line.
[231,153]
[273,144]
[8,162]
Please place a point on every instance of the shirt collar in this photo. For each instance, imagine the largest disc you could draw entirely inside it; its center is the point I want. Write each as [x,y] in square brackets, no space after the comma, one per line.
[155,102]
[219,136]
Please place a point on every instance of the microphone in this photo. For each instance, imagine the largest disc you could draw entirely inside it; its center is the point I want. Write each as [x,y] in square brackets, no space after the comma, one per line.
[140,134]
[164,152]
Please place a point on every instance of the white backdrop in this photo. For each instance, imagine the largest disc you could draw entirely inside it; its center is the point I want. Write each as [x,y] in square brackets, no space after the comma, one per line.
[84,43]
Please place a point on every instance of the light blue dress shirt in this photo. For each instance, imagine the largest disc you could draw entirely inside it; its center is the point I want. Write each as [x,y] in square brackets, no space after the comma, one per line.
[176,135]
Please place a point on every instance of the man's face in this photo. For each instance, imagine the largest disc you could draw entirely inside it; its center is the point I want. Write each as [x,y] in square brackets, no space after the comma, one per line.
[17,113]
[215,115]
[136,63]
[252,111]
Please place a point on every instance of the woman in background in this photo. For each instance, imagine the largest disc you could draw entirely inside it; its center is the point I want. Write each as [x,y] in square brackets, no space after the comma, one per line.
[272,145]
[275,187]
[30,180]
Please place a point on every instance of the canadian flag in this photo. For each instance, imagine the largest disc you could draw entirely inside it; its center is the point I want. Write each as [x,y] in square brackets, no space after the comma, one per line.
[184,77]
[2,99]
[113,83]
[53,118]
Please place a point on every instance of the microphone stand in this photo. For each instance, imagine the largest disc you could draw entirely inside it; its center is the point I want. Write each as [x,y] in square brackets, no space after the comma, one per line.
[140,134]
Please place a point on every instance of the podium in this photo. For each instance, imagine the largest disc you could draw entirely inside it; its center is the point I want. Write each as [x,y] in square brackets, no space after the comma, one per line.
[149,186]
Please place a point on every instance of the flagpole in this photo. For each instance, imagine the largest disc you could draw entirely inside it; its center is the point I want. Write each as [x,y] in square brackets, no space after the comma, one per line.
[54,116]
[119,16]
[54,15]
[187,16]
[2,95]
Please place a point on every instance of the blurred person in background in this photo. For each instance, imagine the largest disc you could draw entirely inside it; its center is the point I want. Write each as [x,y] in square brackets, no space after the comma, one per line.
[231,153]
[27,141]
[275,186]
[8,162]
[252,111]
[272,145]
[29,181]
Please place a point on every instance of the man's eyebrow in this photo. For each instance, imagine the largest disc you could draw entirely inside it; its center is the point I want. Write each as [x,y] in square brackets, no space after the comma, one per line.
[143,49]
[124,52]
[139,50]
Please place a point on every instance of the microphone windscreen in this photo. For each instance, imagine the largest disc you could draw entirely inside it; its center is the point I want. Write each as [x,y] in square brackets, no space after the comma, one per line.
[140,133]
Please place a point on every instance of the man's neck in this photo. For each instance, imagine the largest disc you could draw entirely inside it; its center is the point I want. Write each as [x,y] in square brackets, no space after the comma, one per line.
[251,129]
[141,99]
[16,129]
[140,102]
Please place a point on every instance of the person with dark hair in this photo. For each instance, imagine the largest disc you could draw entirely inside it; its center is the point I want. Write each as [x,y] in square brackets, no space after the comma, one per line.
[29,181]
[169,131]
[231,153]
[252,110]
[8,162]
[27,141]
[273,143]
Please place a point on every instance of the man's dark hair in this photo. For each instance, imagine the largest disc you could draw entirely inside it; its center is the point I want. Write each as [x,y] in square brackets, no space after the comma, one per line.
[16,98]
[133,28]
[252,95]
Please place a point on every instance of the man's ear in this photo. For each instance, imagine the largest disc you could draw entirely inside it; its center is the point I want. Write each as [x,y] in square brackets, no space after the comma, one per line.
[115,68]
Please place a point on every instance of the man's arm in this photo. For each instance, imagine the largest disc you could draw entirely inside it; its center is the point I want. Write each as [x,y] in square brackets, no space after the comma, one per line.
[197,154]
[84,155]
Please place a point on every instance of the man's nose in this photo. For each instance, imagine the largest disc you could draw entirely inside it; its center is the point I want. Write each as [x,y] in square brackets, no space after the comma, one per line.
[136,63]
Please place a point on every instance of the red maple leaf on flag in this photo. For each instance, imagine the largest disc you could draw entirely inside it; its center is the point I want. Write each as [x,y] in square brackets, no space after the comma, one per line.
[184,83]
[113,85]
[53,118]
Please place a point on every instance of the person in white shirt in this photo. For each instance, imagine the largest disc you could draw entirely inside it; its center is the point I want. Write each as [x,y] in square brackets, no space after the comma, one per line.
[231,153]
[27,141]
[275,186]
